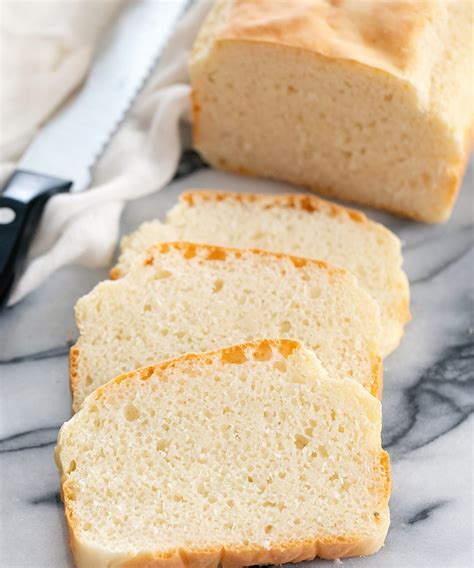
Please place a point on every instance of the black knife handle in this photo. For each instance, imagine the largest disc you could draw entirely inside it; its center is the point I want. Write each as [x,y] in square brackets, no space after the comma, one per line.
[21,203]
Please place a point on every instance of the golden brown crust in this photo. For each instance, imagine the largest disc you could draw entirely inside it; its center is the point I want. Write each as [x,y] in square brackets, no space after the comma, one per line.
[385,465]
[229,355]
[305,202]
[214,252]
[385,35]
[73,375]
[376,386]
[233,557]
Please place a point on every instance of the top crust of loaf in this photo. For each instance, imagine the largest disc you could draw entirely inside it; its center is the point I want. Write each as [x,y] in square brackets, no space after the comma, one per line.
[384,35]
[328,547]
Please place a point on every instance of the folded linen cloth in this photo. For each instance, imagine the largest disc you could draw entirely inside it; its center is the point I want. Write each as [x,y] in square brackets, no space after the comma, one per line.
[46,50]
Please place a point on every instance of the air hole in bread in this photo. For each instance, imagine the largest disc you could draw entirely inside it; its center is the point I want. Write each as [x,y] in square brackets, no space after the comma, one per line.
[315,293]
[323,451]
[162,445]
[131,412]
[301,441]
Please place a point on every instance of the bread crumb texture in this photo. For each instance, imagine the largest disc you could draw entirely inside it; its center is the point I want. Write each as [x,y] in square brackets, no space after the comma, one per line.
[246,455]
[367,101]
[188,297]
[298,224]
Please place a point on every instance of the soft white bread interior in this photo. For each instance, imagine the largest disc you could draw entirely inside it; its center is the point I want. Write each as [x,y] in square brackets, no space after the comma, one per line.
[186,297]
[296,224]
[241,456]
[368,101]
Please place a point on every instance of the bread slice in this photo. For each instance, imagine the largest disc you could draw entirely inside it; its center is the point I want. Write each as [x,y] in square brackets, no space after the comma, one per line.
[367,101]
[240,456]
[295,224]
[187,297]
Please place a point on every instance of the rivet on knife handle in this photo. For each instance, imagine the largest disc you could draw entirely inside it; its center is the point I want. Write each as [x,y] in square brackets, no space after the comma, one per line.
[21,202]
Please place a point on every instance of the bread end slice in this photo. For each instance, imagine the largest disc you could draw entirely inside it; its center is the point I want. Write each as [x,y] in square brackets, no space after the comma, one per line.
[246,455]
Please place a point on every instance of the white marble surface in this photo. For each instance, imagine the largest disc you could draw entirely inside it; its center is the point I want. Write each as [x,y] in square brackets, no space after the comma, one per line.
[428,398]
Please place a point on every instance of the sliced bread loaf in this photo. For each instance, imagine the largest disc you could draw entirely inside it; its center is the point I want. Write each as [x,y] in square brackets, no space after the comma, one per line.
[368,100]
[188,297]
[296,224]
[241,456]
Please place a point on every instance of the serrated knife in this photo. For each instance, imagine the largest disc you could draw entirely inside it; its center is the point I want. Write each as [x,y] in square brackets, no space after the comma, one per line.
[62,155]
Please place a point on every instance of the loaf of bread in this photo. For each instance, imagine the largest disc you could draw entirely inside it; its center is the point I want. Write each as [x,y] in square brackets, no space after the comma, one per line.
[299,224]
[241,456]
[186,297]
[367,101]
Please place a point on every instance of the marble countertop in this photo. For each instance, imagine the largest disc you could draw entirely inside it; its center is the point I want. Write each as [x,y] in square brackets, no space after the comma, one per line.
[428,397]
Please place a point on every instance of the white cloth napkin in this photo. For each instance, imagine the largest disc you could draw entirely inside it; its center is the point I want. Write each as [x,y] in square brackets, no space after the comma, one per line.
[46,50]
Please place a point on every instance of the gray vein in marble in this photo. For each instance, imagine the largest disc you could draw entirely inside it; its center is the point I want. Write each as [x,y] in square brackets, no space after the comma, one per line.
[441,399]
[51,353]
[415,244]
[442,267]
[48,499]
[425,513]
[30,440]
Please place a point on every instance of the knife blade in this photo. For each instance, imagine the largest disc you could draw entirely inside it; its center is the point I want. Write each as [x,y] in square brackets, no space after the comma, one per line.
[62,155]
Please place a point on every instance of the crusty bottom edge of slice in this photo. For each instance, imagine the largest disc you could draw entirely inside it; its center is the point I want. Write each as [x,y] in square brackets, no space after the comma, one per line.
[329,548]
